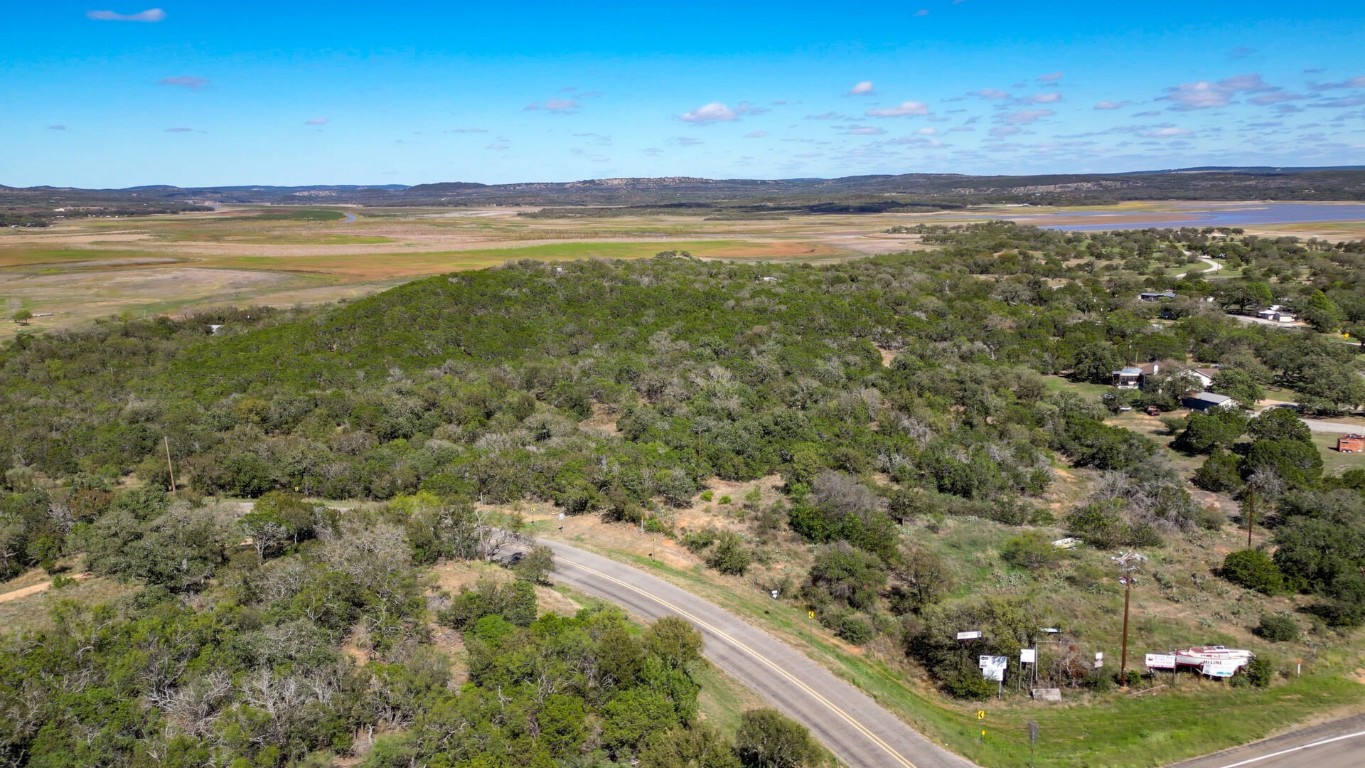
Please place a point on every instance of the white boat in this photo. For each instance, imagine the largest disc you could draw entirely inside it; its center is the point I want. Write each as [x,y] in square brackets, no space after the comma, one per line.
[1220,656]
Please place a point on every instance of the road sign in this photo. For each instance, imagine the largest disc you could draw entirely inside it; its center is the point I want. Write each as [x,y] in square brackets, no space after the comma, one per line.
[981,714]
[1099,660]
[973,635]
[811,614]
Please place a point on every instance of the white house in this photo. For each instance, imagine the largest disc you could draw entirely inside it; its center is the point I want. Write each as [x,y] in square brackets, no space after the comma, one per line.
[1276,314]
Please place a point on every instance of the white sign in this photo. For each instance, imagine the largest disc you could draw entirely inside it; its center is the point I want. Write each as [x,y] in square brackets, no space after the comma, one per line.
[993,667]
[1160,661]
[1219,668]
[1028,656]
[1099,660]
[968,635]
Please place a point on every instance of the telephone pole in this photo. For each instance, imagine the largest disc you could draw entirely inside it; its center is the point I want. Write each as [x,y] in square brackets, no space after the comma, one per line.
[1128,563]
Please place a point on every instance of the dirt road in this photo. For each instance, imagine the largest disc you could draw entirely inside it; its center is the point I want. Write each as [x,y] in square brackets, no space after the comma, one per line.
[853,726]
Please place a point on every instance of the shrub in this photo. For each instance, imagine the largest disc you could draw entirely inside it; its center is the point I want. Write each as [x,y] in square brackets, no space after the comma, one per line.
[1030,550]
[1219,473]
[1279,629]
[965,681]
[854,629]
[730,555]
[1259,672]
[696,541]
[1253,569]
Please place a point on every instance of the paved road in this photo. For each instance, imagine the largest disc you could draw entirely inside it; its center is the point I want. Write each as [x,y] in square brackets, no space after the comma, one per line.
[854,727]
[1338,744]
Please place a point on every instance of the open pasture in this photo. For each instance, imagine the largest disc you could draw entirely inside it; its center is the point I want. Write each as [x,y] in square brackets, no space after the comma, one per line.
[81,269]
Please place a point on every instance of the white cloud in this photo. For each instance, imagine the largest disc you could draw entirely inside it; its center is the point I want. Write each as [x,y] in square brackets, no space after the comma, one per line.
[57,127]
[184,81]
[714,112]
[1027,116]
[756,135]
[1046,98]
[558,106]
[149,15]
[901,110]
[991,93]
[1106,104]
[316,121]
[1167,132]
[860,88]
[1206,95]
[865,130]
[1005,130]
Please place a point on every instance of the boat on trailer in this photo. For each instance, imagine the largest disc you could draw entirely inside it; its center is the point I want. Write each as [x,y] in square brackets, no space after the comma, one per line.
[1215,660]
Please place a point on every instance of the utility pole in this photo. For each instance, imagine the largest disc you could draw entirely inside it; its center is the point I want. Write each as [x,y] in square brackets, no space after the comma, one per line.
[169,466]
[1128,563]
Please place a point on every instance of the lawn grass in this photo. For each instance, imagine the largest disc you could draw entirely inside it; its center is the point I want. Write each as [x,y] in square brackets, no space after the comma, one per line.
[1335,462]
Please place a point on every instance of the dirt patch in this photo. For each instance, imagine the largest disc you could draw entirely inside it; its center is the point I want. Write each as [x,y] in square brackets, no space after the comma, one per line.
[35,589]
[603,420]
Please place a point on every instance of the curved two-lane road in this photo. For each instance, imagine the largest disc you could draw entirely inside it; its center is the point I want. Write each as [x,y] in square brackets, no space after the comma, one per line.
[853,726]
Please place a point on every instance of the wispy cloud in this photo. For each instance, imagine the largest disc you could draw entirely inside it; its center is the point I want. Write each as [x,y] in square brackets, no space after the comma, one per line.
[922,12]
[1167,132]
[467,130]
[865,130]
[1212,95]
[991,94]
[180,130]
[714,112]
[1050,77]
[1046,98]
[717,112]
[316,121]
[149,15]
[756,135]
[184,81]
[685,141]
[1026,116]
[557,106]
[56,127]
[903,109]
[1241,52]
[1005,130]
[1106,104]
[1352,82]
[861,88]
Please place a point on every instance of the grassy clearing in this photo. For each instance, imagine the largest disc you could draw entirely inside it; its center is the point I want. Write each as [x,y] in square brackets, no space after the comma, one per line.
[1333,461]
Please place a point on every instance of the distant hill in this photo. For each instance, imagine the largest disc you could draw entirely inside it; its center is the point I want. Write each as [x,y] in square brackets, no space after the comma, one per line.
[753,196]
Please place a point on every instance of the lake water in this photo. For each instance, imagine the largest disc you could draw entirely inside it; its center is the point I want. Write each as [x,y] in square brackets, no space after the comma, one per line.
[1250,214]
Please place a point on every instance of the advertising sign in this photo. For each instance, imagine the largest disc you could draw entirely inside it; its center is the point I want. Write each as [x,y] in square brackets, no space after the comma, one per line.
[993,667]
[1161,661]
[1027,656]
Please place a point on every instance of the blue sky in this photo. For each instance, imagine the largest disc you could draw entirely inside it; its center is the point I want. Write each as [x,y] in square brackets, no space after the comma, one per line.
[208,93]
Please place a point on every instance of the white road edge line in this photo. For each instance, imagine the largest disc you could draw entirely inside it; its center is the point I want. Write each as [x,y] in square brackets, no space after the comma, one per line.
[898,757]
[1295,749]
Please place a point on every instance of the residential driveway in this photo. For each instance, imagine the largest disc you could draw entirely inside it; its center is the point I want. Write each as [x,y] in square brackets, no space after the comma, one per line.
[853,726]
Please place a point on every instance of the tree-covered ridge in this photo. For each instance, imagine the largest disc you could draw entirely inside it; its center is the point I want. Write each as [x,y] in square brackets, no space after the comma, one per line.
[903,387]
